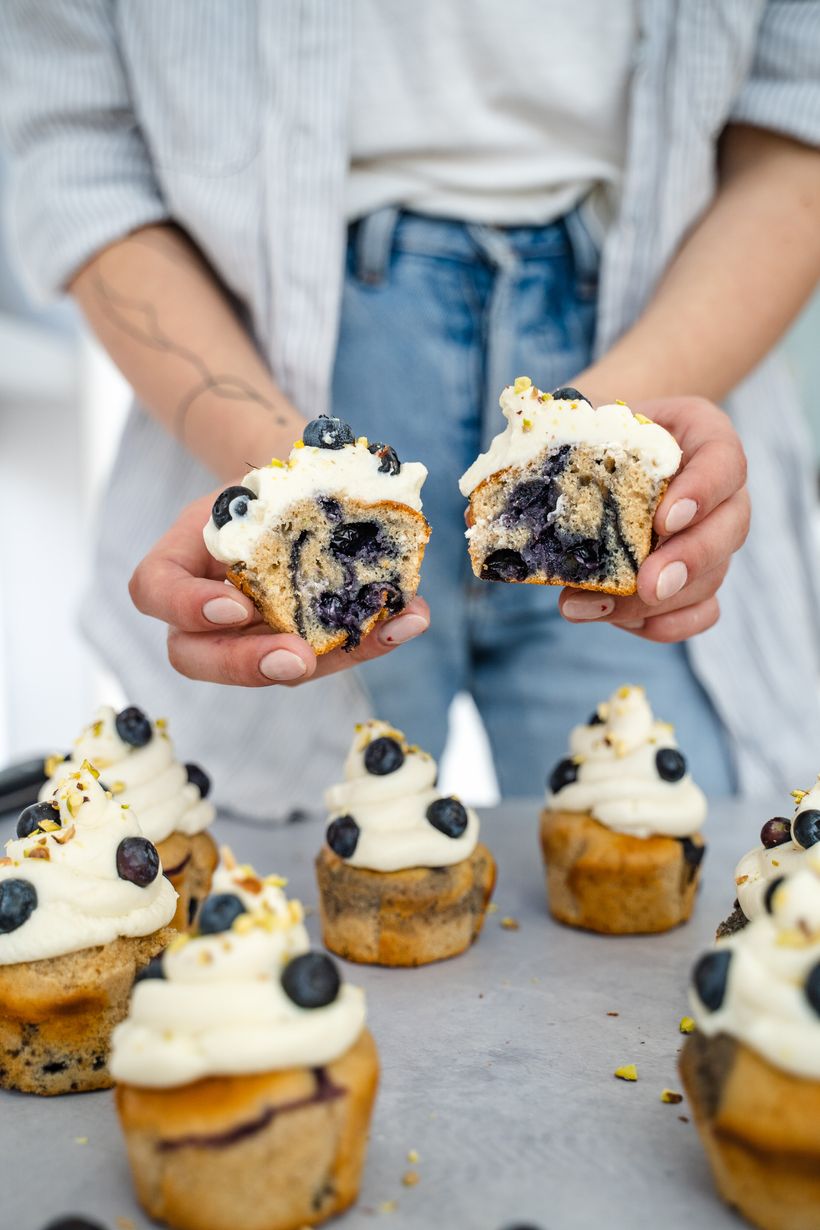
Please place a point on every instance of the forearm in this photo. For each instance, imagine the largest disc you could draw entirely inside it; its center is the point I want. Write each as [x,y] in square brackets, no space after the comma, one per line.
[164,318]
[737,283]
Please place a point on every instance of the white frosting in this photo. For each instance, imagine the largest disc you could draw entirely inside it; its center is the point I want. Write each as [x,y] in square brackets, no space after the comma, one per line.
[760,866]
[618,781]
[81,900]
[350,471]
[221,1008]
[536,421]
[765,1004]
[390,810]
[150,779]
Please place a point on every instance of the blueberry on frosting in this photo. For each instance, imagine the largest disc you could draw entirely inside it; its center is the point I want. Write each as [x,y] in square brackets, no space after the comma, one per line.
[311,980]
[137,861]
[670,763]
[219,913]
[813,987]
[133,727]
[775,832]
[710,976]
[564,774]
[199,778]
[567,393]
[388,457]
[18,901]
[448,815]
[231,504]
[806,828]
[595,719]
[38,813]
[327,432]
[342,836]
[383,756]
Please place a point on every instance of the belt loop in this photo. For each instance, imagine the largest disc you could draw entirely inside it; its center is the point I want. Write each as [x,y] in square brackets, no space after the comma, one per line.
[585,254]
[373,244]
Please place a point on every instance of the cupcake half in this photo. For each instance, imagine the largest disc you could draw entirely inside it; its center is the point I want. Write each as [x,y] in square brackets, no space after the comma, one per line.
[566,494]
[328,543]
[84,907]
[403,878]
[620,833]
[135,757]
[245,1073]
[752,1069]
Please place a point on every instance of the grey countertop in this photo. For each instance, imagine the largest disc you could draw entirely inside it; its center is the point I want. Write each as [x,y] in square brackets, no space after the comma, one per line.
[497,1068]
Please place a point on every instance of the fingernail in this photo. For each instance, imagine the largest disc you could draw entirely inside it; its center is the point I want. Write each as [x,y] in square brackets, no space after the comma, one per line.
[282,665]
[224,611]
[679,515]
[671,580]
[587,606]
[402,628]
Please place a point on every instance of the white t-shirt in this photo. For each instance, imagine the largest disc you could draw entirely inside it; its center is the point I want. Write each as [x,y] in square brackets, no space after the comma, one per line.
[495,111]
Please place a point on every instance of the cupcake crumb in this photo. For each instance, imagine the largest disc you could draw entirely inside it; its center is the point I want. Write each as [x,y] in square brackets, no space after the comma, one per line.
[388,1206]
[627,1072]
[510,924]
[80,1140]
[671,1097]
[410,1178]
[492,908]
[683,1118]
[613,1014]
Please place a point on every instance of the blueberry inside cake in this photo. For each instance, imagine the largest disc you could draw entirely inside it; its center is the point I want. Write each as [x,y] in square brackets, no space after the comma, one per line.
[329,542]
[566,494]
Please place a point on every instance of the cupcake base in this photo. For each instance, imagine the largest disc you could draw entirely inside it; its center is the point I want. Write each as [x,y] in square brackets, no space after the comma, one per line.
[405,918]
[56,1015]
[758,1125]
[189,863]
[614,883]
[269,1151]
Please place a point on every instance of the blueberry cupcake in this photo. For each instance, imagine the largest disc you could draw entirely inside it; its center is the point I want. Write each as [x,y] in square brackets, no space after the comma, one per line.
[136,759]
[245,1073]
[566,494]
[752,1068]
[403,878]
[84,908]
[620,832]
[327,543]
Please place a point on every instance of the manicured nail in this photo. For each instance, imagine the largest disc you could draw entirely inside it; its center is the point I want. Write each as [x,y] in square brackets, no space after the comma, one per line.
[402,628]
[680,515]
[671,580]
[587,606]
[224,611]
[282,665]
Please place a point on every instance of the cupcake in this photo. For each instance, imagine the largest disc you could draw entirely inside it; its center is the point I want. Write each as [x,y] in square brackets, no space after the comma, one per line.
[752,1069]
[328,543]
[620,831]
[83,909]
[566,494]
[403,878]
[245,1074]
[136,759]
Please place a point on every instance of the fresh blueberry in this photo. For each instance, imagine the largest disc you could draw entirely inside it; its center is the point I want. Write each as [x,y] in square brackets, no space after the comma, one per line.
[73,1222]
[137,861]
[595,719]
[813,987]
[199,778]
[31,818]
[564,774]
[775,832]
[18,900]
[504,565]
[710,975]
[448,816]
[768,899]
[327,432]
[219,913]
[311,980]
[133,727]
[231,503]
[671,765]
[806,828]
[383,756]
[567,393]
[342,836]
[153,969]
[390,463]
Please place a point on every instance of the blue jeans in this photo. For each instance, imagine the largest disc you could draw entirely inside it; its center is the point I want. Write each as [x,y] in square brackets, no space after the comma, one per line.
[437,317]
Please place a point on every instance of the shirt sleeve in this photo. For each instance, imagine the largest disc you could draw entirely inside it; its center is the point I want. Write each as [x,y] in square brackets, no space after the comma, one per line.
[80,173]
[782,92]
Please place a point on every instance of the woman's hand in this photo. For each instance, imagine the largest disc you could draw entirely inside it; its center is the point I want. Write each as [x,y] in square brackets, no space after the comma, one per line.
[701,521]
[215,633]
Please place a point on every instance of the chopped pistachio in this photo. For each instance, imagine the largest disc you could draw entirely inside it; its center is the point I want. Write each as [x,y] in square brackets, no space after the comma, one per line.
[628,1072]
[687,1025]
[671,1098]
[641,418]
[522,383]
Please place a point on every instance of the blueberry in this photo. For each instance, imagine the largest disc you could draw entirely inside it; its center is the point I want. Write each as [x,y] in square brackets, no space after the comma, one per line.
[137,861]
[219,912]
[133,727]
[327,432]
[806,828]
[72,1222]
[199,778]
[564,774]
[357,538]
[567,393]
[581,560]
[671,765]
[18,900]
[448,816]
[693,852]
[311,980]
[383,756]
[331,508]
[504,565]
[813,987]
[153,969]
[230,503]
[710,975]
[775,832]
[595,719]
[390,463]
[768,899]
[31,818]
[342,836]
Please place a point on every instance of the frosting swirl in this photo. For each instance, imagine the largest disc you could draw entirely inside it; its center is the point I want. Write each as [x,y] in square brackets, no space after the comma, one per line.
[625,770]
[760,866]
[149,778]
[80,898]
[220,1006]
